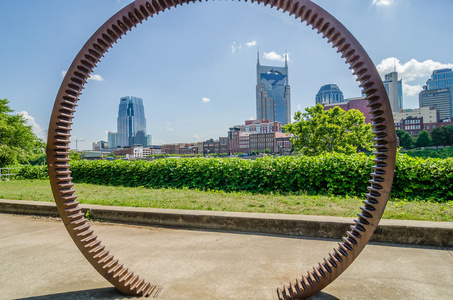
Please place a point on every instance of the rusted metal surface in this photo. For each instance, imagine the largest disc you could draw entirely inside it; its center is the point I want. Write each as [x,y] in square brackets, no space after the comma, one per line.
[137,12]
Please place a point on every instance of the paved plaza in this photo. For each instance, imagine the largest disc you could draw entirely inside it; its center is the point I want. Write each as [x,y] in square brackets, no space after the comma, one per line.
[40,261]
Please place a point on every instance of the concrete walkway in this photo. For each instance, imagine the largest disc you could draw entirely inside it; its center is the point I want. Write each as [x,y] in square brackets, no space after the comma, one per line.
[40,261]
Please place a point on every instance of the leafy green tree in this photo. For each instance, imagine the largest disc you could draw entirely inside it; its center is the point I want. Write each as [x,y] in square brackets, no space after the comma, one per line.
[18,143]
[406,140]
[448,134]
[439,136]
[423,139]
[74,155]
[318,131]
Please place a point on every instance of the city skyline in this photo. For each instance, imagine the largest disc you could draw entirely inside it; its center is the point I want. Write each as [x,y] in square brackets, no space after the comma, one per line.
[200,79]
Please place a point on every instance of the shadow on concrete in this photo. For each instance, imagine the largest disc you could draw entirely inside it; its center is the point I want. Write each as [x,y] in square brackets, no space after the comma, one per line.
[101,293]
[323,296]
[111,293]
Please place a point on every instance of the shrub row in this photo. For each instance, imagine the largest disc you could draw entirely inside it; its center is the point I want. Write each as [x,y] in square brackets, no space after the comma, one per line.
[32,172]
[326,174]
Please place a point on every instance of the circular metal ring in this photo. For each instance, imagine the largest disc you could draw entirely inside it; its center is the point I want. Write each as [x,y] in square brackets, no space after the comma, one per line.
[65,106]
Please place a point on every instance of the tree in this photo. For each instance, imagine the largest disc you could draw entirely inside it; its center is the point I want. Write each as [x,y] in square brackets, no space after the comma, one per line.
[74,155]
[406,140]
[423,139]
[439,136]
[18,143]
[318,131]
[448,134]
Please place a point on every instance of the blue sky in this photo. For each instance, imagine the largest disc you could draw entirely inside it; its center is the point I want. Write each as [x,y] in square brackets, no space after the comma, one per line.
[194,66]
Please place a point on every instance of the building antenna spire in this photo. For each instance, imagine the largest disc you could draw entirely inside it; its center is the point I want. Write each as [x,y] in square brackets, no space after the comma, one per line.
[286,59]
[258,56]
[394,63]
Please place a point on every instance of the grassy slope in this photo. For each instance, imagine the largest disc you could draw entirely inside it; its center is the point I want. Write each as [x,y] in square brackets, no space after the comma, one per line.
[39,190]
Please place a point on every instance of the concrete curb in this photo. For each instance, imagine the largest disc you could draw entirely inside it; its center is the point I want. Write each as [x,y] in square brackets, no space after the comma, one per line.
[389,231]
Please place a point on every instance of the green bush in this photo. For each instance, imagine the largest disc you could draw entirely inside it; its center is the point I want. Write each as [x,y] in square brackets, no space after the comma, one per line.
[32,172]
[339,174]
[429,152]
[333,174]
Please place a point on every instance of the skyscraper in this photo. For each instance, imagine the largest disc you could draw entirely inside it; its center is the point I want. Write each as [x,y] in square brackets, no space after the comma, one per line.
[440,98]
[273,102]
[439,91]
[111,138]
[394,89]
[329,94]
[131,122]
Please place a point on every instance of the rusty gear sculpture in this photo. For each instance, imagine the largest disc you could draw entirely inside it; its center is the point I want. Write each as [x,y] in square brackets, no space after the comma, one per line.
[139,11]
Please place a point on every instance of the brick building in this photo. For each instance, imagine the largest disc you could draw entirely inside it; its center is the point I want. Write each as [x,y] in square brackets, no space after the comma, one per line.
[358,103]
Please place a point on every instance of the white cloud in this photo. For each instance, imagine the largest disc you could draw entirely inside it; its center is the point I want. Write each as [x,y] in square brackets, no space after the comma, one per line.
[235,47]
[169,128]
[275,56]
[252,118]
[37,129]
[411,90]
[251,44]
[205,100]
[299,108]
[382,2]
[410,71]
[196,137]
[95,77]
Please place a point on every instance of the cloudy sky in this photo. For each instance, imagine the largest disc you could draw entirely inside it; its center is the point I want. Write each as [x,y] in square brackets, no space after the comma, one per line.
[194,66]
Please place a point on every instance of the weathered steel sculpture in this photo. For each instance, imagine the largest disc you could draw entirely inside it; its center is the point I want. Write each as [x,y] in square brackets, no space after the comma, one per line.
[137,12]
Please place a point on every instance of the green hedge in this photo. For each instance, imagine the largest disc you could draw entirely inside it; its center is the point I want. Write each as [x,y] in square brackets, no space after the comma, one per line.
[33,172]
[337,174]
[327,174]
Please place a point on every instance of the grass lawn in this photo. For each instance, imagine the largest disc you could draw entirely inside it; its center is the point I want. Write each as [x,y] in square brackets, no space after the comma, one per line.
[341,206]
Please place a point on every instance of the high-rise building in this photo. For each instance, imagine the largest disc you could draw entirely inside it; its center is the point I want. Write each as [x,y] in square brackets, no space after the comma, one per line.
[437,89]
[439,98]
[131,122]
[394,89]
[329,94]
[111,138]
[273,100]
[149,140]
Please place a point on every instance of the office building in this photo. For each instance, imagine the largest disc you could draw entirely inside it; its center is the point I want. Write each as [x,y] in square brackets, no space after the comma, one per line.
[329,94]
[438,91]
[411,125]
[131,122]
[111,138]
[428,113]
[149,140]
[273,101]
[99,146]
[439,98]
[358,103]
[260,126]
[394,89]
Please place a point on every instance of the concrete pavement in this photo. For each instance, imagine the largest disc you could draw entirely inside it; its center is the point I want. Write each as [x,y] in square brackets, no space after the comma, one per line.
[40,261]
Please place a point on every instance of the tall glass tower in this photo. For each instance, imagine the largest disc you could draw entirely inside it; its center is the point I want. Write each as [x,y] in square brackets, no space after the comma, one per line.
[394,89]
[441,81]
[273,102]
[131,122]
